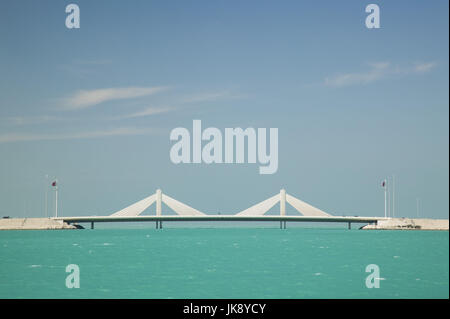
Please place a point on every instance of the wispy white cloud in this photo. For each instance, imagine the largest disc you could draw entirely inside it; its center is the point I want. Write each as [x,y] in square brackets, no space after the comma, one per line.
[376,72]
[209,96]
[148,112]
[30,120]
[424,67]
[185,102]
[87,98]
[27,137]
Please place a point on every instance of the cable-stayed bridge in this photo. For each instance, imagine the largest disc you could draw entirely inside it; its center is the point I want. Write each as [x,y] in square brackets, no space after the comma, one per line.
[183,212]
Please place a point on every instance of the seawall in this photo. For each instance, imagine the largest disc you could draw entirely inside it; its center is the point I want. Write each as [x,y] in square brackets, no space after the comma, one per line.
[410,224]
[33,223]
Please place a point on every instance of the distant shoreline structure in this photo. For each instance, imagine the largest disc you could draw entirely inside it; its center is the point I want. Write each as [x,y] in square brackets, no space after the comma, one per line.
[33,224]
[410,224]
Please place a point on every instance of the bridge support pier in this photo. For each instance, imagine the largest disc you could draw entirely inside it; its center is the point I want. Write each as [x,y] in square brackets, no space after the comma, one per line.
[92,225]
[349,225]
[282,224]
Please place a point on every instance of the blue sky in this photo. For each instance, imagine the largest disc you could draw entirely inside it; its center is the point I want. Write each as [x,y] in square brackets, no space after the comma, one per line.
[94,106]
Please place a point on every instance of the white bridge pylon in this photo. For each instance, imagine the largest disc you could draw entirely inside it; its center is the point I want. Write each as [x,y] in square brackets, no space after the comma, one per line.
[259,209]
[178,207]
[263,207]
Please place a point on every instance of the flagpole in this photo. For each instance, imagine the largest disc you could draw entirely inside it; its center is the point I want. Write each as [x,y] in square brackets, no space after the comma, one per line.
[385,202]
[388,198]
[56,199]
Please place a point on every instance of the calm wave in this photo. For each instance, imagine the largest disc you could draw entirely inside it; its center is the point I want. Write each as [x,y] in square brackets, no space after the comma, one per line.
[224,263]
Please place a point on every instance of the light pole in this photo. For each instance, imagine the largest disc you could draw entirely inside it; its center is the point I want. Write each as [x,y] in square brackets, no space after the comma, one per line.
[46,195]
[55,184]
[417,207]
[393,195]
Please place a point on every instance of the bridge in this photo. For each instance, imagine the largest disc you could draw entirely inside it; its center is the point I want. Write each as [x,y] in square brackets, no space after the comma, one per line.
[308,213]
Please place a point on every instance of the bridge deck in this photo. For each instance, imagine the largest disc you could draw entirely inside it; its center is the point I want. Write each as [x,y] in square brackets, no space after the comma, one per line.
[342,219]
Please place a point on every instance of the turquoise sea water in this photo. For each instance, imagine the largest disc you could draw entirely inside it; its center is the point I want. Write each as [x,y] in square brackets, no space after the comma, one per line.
[224,263]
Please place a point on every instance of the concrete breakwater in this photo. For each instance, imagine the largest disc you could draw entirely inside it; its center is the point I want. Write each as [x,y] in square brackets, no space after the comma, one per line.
[409,223]
[33,223]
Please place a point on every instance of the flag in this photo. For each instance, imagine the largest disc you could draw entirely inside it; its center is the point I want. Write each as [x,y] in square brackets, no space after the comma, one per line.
[54,183]
[384,183]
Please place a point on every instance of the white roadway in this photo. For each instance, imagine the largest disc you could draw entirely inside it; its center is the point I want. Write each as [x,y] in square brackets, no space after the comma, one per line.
[326,219]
